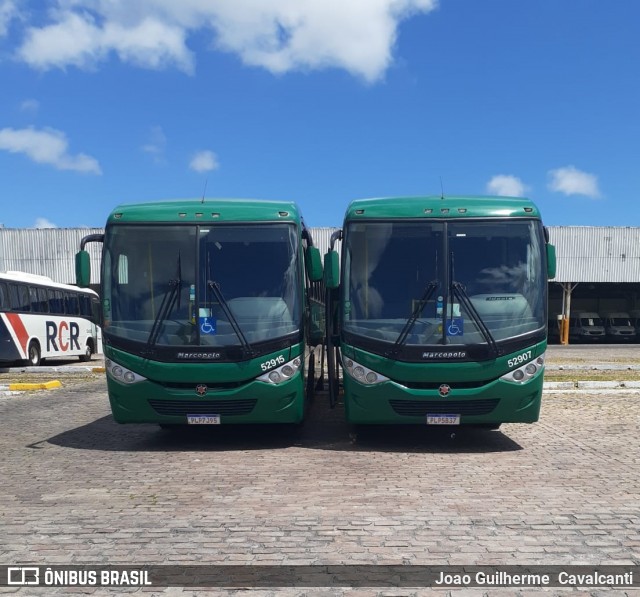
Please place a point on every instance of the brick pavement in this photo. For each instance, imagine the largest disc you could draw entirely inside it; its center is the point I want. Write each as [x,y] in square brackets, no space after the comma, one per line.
[80,489]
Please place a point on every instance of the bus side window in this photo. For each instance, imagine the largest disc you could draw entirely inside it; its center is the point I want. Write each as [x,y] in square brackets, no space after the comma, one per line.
[71,306]
[19,297]
[43,300]
[84,307]
[55,302]
[5,304]
[33,299]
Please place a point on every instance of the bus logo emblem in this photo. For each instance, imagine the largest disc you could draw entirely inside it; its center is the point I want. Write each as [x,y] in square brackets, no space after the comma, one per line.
[444,390]
[201,389]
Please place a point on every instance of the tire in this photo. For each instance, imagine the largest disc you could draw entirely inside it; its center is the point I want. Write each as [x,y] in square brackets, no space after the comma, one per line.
[33,354]
[88,353]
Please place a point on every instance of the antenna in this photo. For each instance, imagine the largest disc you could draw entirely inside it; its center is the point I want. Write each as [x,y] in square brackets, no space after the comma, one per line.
[205,189]
[441,189]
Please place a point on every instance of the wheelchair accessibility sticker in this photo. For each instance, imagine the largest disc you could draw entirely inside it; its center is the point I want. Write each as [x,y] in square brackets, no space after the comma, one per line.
[455,326]
[207,325]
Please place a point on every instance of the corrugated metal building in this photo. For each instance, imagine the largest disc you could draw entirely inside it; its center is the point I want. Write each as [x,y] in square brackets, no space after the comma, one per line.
[594,254]
[598,266]
[47,251]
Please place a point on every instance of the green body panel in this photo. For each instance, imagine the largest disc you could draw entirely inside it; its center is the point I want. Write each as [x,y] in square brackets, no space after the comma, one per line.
[439,207]
[518,403]
[206,212]
[275,403]
[371,403]
[228,382]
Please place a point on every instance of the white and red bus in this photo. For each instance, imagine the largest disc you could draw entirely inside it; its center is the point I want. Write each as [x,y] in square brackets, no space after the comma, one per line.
[41,319]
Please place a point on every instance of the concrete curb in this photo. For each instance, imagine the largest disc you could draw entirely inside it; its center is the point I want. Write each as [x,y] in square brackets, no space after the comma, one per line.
[591,385]
[53,369]
[22,387]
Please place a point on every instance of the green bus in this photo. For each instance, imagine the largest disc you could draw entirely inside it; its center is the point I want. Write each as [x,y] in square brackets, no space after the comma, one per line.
[208,311]
[438,310]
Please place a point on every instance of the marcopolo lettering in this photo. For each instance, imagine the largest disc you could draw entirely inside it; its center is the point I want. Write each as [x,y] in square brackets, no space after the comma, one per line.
[63,336]
[199,355]
[461,354]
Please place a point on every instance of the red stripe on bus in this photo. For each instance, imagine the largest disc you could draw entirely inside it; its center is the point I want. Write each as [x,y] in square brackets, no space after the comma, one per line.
[19,330]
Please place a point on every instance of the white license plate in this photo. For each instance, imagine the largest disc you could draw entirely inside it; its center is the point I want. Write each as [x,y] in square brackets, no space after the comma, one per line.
[203,419]
[443,419]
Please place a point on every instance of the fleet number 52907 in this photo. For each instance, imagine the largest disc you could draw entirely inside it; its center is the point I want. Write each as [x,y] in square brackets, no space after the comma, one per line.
[520,359]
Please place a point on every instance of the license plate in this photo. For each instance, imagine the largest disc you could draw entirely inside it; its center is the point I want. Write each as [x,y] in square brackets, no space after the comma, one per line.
[203,419]
[443,419]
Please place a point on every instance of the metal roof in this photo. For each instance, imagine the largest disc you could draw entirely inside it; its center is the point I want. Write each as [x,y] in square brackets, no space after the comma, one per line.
[596,253]
[47,251]
[584,253]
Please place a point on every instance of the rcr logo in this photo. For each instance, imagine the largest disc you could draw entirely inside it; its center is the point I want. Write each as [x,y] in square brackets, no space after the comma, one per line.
[23,575]
[63,336]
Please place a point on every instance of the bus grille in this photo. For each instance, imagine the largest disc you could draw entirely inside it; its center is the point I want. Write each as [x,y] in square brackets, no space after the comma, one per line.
[182,408]
[420,408]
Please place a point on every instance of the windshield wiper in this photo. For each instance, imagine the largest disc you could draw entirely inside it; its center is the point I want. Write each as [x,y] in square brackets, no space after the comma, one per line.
[463,297]
[169,301]
[408,326]
[246,347]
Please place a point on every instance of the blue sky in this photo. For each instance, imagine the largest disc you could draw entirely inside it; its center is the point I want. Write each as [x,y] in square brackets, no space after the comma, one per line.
[320,102]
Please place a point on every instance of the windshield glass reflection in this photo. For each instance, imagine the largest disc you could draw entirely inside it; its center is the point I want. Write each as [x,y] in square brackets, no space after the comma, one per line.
[201,286]
[486,279]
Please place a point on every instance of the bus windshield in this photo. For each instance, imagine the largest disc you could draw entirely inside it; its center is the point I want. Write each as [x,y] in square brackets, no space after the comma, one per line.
[209,286]
[459,282]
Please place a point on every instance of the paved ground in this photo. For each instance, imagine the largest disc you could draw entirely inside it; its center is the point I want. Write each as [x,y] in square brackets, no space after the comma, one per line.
[79,489]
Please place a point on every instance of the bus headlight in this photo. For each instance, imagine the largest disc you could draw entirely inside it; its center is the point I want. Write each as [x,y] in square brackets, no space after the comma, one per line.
[362,374]
[282,373]
[121,374]
[525,372]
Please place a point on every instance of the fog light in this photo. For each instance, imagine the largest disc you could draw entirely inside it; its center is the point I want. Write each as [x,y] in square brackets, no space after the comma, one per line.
[117,371]
[287,371]
[361,373]
[518,375]
[530,369]
[274,376]
[129,377]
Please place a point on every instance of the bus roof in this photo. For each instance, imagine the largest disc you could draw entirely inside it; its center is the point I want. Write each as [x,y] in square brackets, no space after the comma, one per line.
[38,280]
[207,210]
[467,206]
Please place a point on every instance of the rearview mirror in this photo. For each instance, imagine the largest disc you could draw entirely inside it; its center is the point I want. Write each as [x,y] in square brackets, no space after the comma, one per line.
[314,264]
[331,269]
[83,269]
[551,261]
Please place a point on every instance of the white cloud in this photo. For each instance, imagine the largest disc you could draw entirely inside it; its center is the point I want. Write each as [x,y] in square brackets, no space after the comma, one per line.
[204,161]
[156,144]
[8,11]
[571,181]
[30,105]
[77,40]
[507,186]
[280,35]
[47,146]
[44,223]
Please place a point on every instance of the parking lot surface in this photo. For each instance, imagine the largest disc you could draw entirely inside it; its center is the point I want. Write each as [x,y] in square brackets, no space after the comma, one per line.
[78,488]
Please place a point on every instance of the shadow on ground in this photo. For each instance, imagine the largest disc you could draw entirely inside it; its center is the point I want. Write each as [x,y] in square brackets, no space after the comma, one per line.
[324,429]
